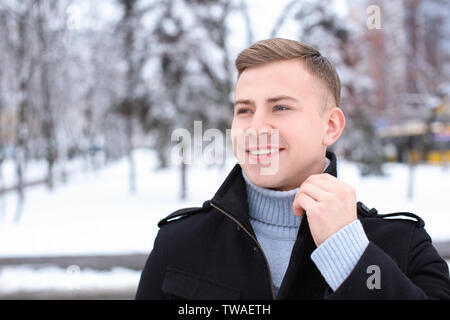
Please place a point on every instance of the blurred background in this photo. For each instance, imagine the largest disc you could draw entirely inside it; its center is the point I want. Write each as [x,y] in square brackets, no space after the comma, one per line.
[91,92]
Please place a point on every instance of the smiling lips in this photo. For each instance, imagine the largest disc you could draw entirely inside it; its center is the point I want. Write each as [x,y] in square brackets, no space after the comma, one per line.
[263,151]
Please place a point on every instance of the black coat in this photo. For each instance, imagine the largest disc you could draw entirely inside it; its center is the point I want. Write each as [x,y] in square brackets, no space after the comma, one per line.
[211,252]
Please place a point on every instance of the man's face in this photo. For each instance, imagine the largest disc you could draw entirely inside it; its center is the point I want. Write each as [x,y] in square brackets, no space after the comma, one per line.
[280,95]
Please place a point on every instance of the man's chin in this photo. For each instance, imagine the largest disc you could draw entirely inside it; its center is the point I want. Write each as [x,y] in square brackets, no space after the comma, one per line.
[269,181]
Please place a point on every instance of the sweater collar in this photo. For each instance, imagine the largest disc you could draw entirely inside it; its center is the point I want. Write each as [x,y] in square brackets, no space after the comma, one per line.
[271,206]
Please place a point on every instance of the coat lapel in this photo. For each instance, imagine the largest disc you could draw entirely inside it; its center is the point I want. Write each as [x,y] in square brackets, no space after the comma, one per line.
[232,197]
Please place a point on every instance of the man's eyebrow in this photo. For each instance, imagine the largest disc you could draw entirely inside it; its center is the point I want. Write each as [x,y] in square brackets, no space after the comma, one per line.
[282,97]
[243,101]
[269,100]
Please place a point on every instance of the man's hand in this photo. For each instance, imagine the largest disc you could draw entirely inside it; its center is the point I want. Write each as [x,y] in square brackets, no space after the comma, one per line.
[330,205]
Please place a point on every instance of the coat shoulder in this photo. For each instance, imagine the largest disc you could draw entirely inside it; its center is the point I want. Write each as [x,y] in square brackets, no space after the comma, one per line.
[182,214]
[398,234]
[400,218]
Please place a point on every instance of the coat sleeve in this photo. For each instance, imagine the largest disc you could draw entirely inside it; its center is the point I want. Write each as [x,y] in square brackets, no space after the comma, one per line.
[426,274]
[152,275]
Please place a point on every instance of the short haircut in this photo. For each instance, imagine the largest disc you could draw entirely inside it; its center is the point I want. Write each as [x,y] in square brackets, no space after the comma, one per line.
[277,49]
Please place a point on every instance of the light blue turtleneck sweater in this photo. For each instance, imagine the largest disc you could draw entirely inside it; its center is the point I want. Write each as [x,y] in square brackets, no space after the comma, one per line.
[275,226]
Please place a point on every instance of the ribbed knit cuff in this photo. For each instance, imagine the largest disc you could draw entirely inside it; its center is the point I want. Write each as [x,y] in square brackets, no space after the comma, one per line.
[337,256]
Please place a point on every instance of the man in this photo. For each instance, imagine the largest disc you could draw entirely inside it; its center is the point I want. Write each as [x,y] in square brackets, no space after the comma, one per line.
[296,232]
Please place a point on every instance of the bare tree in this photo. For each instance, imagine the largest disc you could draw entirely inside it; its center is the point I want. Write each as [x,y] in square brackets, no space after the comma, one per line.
[196,66]
[135,54]
[35,30]
[247,20]
[19,40]
[3,62]
[49,36]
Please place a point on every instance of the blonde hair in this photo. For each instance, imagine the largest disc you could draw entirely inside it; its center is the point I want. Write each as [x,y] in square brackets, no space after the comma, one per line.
[276,49]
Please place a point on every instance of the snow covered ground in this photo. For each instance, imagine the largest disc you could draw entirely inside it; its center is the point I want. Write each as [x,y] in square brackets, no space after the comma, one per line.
[93,213]
[71,281]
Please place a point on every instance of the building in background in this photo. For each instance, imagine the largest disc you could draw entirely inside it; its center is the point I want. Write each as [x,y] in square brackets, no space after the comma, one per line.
[408,60]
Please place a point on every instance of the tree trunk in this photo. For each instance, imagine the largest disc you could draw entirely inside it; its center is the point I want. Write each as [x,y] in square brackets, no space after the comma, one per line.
[20,151]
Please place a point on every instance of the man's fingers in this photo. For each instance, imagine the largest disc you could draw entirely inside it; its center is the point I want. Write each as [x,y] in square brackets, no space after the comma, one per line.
[314,191]
[324,181]
[330,184]
[301,203]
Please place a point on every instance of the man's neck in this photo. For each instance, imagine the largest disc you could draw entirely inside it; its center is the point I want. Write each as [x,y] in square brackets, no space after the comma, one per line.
[326,163]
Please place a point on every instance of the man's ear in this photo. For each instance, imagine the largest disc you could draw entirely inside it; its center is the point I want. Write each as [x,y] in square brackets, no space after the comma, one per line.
[334,126]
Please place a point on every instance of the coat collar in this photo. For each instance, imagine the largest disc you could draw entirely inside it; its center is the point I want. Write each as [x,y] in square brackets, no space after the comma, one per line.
[232,194]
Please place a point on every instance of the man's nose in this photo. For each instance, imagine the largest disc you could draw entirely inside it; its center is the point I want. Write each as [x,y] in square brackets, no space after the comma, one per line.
[261,123]
[260,129]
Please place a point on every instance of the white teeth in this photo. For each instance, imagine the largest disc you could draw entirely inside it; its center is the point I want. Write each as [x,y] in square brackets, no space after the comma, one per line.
[263,151]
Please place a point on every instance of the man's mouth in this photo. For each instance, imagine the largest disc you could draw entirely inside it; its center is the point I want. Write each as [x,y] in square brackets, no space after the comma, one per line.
[263,151]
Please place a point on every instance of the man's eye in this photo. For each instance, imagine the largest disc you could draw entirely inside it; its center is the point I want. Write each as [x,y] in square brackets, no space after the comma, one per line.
[280,108]
[242,110]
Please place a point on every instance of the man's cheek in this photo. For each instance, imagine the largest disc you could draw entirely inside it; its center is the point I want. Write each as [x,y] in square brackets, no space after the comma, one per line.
[238,142]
